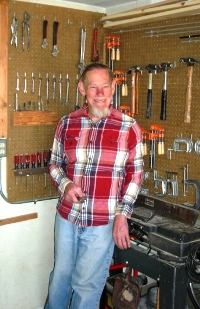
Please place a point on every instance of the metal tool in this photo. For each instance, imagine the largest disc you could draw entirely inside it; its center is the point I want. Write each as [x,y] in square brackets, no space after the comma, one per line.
[195,183]
[26,31]
[134,71]
[151,68]
[81,64]
[190,64]
[54,88]
[25,83]
[67,90]
[32,83]
[77,94]
[197,147]
[47,88]
[55,34]
[60,88]
[178,142]
[14,30]
[95,52]
[165,67]
[44,42]
[39,85]
[17,82]
[163,182]
[156,133]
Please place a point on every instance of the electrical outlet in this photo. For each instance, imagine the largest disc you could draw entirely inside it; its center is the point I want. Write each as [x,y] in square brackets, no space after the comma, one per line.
[3,150]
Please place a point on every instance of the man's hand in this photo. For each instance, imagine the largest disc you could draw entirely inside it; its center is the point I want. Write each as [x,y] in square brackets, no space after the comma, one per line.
[121,232]
[73,193]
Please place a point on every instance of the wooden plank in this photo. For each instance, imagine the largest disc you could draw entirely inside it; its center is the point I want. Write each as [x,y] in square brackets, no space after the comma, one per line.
[181,12]
[35,118]
[3,67]
[18,219]
[138,10]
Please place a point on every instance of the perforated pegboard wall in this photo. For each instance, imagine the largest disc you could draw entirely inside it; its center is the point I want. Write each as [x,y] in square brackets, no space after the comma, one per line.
[33,138]
[135,50]
[139,50]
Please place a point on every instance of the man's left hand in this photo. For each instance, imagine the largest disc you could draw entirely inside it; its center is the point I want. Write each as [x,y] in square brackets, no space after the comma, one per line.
[121,232]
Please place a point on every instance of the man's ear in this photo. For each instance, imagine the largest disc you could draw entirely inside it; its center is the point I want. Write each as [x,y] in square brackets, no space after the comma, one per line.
[81,88]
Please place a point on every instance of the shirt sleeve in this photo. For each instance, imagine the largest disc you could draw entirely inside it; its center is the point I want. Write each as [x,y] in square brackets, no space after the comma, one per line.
[56,170]
[134,171]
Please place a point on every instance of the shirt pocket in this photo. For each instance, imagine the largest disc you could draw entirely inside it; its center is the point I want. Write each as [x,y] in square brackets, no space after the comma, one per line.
[70,145]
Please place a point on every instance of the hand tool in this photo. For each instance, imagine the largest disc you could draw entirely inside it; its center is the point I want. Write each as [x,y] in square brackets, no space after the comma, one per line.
[67,90]
[197,147]
[144,141]
[44,42]
[81,64]
[14,29]
[190,64]
[17,82]
[40,85]
[27,160]
[16,161]
[54,88]
[16,102]
[77,94]
[95,52]
[134,70]
[165,67]
[163,182]
[32,83]
[156,132]
[47,88]
[60,88]
[179,141]
[196,183]
[118,82]
[55,34]
[109,48]
[124,85]
[26,31]
[25,83]
[151,68]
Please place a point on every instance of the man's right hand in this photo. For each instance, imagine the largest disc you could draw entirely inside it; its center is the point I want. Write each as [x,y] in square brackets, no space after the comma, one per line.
[73,193]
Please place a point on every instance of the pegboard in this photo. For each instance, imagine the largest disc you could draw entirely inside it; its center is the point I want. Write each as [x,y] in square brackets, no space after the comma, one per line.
[139,50]
[34,183]
[135,49]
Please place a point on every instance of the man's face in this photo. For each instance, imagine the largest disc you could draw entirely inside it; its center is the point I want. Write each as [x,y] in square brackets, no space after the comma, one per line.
[98,89]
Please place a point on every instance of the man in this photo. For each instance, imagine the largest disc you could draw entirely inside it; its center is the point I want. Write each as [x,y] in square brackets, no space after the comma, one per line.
[97,167]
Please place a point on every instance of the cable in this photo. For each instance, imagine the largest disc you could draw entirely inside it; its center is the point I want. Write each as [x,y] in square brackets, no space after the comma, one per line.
[193,263]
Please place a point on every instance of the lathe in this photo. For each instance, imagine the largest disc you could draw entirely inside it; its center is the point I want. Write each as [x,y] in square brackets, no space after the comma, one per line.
[163,235]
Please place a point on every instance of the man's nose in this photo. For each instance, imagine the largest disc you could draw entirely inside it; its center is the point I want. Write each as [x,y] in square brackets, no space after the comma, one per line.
[99,91]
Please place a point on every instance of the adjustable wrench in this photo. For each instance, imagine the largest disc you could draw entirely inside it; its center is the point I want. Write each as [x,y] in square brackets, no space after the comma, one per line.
[81,64]
[55,32]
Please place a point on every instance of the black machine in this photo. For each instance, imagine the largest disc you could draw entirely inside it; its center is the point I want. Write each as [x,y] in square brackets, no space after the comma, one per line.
[164,236]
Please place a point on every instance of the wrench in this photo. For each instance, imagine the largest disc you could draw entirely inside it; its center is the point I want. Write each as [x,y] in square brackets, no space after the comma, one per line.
[55,32]
[32,83]
[67,90]
[81,64]
[40,86]
[25,83]
[44,43]
[17,82]
[54,88]
[60,88]
[47,88]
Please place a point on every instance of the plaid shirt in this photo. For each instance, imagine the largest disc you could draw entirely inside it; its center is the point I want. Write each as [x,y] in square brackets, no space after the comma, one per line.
[104,158]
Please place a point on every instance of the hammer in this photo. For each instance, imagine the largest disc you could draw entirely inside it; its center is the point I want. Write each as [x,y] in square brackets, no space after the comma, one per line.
[151,68]
[134,71]
[190,64]
[165,67]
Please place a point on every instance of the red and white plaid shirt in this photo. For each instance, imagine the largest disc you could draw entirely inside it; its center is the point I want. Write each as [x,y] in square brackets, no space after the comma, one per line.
[104,158]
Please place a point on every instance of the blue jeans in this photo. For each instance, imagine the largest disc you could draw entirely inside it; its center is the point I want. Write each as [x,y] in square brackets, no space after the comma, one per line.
[82,261]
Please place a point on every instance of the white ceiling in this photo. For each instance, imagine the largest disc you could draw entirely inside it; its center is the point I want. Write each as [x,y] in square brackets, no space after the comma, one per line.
[102,6]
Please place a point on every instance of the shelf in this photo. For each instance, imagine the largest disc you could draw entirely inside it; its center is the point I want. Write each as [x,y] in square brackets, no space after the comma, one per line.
[31,171]
[25,118]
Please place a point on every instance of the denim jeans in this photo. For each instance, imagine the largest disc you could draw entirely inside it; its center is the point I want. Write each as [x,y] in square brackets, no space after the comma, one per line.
[82,261]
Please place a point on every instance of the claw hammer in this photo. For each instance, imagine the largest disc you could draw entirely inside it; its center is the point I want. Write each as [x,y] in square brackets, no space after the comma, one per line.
[134,71]
[165,67]
[151,68]
[190,64]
